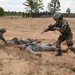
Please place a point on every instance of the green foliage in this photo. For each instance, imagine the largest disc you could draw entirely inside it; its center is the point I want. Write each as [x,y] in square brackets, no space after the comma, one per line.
[54,6]
[13,13]
[38,5]
[1,11]
[29,5]
[68,10]
[33,5]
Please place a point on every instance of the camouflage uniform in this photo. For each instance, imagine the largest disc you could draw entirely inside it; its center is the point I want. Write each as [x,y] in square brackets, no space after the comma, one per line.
[33,47]
[2,30]
[20,41]
[65,35]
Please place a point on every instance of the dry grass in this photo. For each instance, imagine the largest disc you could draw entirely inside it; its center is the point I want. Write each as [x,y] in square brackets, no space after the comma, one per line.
[16,62]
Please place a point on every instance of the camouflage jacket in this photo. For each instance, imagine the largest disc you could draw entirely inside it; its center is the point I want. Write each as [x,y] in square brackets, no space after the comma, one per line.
[63,24]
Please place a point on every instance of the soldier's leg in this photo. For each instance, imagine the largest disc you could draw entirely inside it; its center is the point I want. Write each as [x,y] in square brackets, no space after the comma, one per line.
[58,48]
[58,43]
[47,48]
[54,49]
[14,40]
[70,43]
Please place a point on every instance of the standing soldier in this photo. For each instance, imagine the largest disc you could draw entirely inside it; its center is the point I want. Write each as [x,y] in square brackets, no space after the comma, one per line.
[34,46]
[63,27]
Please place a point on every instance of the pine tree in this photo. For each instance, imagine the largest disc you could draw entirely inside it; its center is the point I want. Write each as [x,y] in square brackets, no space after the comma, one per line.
[29,5]
[54,6]
[38,5]
[33,5]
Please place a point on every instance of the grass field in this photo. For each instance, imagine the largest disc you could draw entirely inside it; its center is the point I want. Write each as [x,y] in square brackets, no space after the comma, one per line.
[16,62]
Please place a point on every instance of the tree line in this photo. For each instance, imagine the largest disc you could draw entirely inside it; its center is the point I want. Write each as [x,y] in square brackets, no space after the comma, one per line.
[37,6]
[33,8]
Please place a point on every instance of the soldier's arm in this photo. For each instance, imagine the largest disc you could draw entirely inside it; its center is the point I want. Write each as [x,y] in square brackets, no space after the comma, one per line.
[51,44]
[29,48]
[55,26]
[3,39]
[62,29]
[64,25]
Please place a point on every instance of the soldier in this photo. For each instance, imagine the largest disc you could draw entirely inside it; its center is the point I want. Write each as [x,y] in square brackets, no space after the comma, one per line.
[20,41]
[2,30]
[34,46]
[63,27]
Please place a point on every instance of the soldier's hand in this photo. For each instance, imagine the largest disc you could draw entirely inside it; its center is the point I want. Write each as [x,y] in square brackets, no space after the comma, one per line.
[21,47]
[39,54]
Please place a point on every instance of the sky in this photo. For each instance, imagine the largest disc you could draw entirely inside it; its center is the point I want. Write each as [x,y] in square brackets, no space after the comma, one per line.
[16,5]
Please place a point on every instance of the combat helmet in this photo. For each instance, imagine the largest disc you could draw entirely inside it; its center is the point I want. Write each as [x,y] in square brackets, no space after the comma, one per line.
[2,30]
[57,16]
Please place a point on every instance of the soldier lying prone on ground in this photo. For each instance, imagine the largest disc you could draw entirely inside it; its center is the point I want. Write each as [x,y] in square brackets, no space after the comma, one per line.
[20,41]
[33,47]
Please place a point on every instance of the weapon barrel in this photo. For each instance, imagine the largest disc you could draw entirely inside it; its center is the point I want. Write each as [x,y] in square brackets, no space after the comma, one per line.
[50,28]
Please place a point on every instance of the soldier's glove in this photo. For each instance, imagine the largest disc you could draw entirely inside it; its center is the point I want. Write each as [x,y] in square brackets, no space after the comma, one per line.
[22,47]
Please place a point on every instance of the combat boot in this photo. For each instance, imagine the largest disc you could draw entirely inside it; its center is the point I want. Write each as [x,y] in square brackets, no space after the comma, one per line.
[72,49]
[59,53]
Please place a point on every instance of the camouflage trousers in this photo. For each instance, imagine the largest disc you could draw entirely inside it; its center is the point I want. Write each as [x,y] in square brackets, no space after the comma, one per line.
[62,38]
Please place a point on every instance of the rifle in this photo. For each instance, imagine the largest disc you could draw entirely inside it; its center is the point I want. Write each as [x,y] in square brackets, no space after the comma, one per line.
[50,28]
